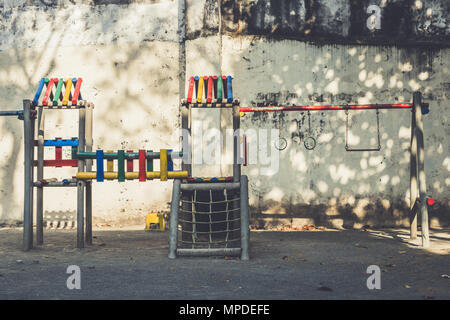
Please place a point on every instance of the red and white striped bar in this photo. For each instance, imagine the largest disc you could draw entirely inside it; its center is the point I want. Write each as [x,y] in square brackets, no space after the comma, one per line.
[329,107]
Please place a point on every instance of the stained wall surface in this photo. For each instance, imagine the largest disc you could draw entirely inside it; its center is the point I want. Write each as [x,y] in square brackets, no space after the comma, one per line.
[278,52]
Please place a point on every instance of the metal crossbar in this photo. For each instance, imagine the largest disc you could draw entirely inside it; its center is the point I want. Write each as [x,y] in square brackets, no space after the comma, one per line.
[209,213]
[200,222]
[212,232]
[201,202]
[210,243]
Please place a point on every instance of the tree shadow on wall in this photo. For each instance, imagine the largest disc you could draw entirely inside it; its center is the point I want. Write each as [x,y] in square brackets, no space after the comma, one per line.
[355,188]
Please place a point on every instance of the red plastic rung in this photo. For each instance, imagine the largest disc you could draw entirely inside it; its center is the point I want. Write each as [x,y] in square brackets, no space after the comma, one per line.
[191,89]
[61,163]
[142,160]
[58,153]
[130,163]
[77,91]
[47,92]
[210,89]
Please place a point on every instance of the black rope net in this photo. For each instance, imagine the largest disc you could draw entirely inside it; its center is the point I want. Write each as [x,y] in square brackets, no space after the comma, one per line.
[209,219]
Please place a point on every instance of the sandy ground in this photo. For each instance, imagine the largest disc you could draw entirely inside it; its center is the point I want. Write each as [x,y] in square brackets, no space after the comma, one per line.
[132,264]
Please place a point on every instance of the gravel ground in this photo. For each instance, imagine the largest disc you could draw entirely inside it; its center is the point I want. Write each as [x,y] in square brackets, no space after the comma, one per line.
[130,263]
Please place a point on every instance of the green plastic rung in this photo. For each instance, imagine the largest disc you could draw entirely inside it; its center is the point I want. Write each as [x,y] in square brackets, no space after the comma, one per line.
[219,89]
[149,163]
[58,92]
[121,165]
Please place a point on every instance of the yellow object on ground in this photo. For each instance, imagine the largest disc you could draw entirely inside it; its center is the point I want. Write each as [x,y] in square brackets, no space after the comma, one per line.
[155,222]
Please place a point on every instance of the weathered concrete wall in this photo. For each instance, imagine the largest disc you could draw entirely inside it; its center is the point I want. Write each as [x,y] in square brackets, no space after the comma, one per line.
[278,52]
[341,21]
[268,49]
[125,54]
[328,184]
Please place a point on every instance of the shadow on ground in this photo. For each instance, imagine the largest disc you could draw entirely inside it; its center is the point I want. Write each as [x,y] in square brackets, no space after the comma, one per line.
[133,264]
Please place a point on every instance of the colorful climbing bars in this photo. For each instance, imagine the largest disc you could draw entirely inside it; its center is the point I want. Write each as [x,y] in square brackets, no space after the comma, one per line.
[58,144]
[58,92]
[213,91]
[145,167]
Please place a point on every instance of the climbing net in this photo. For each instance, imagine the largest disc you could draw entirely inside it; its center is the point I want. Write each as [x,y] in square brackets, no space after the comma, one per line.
[209,219]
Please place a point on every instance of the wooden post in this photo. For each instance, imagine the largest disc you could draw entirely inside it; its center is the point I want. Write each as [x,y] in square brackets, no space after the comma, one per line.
[413,178]
[81,183]
[417,101]
[28,177]
[40,176]
[89,143]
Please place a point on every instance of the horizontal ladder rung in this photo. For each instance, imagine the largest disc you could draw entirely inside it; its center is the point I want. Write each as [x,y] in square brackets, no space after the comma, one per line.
[53,183]
[132,175]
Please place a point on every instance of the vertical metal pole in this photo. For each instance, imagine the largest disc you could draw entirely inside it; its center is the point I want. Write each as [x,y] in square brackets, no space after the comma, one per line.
[236,144]
[89,143]
[28,169]
[40,176]
[80,183]
[186,161]
[245,231]
[32,129]
[236,168]
[186,165]
[417,100]
[182,47]
[413,177]
[174,206]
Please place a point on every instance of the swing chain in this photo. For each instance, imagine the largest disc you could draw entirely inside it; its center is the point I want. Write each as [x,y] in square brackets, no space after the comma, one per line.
[347,148]
[309,142]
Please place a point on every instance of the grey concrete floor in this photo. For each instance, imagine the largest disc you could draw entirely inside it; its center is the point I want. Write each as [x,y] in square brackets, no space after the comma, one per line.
[133,264]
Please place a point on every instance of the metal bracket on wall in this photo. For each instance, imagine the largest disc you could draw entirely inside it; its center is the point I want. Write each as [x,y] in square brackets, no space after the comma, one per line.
[347,148]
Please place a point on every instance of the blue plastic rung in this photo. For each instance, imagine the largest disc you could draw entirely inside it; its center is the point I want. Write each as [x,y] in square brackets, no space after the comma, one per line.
[38,92]
[229,89]
[169,160]
[100,175]
[61,143]
[196,78]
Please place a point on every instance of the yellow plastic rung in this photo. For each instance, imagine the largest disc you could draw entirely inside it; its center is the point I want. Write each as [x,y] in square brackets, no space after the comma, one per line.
[67,92]
[163,164]
[200,90]
[109,163]
[133,175]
